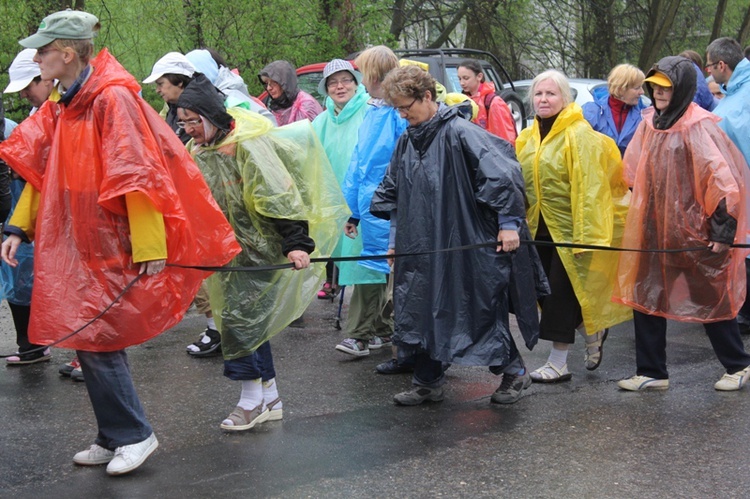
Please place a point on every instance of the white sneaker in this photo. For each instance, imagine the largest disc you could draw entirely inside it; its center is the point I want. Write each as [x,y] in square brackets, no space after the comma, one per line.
[129,457]
[640,383]
[733,382]
[94,455]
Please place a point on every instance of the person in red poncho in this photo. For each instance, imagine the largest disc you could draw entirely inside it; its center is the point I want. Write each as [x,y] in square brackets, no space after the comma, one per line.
[111,193]
[494,114]
[688,182]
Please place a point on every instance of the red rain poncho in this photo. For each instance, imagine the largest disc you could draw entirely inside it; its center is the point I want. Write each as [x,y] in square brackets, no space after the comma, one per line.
[84,158]
[679,176]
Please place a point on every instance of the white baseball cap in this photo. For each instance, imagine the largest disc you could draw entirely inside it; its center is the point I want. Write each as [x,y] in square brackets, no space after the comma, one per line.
[22,71]
[171,63]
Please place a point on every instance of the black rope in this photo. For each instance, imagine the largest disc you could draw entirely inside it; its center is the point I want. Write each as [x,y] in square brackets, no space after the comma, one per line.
[261,268]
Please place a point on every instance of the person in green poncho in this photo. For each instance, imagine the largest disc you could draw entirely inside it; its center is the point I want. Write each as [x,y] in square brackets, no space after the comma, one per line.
[278,192]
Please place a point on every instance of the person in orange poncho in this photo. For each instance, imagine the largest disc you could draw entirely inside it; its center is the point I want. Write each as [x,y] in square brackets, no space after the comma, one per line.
[494,114]
[688,182]
[111,193]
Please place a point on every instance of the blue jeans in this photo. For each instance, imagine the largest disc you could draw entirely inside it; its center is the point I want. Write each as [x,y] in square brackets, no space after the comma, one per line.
[118,411]
[259,364]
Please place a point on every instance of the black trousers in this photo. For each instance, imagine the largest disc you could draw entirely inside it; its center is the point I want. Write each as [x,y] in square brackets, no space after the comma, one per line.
[21,315]
[651,345]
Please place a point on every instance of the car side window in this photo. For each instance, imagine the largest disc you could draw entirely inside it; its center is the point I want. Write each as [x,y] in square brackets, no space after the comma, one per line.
[309,83]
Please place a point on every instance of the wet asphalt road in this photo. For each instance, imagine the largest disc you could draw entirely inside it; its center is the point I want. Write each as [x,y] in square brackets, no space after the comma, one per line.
[342,437]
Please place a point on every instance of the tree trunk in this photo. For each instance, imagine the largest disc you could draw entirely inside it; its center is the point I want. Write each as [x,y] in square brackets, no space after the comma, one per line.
[193,27]
[662,15]
[718,19]
[479,27]
[744,29]
[339,15]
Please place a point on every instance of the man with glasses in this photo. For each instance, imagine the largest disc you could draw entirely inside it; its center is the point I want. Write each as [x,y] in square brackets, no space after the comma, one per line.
[731,70]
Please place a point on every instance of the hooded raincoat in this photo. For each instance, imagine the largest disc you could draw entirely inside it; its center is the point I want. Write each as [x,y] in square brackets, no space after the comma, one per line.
[682,167]
[599,115]
[449,181]
[259,173]
[734,108]
[338,134]
[294,104]
[497,119]
[574,180]
[380,130]
[84,157]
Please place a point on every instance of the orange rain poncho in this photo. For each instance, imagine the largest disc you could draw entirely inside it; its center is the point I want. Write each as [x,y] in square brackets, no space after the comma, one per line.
[84,158]
[679,176]
[573,179]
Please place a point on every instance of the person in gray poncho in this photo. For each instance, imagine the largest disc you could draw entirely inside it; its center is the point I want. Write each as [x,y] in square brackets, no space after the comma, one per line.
[450,184]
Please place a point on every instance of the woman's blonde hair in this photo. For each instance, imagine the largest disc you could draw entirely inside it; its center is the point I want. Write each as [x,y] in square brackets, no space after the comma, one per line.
[375,62]
[84,49]
[559,79]
[623,77]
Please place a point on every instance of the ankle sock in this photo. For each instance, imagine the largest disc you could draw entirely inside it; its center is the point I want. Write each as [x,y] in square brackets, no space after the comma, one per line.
[211,323]
[252,394]
[271,393]
[558,358]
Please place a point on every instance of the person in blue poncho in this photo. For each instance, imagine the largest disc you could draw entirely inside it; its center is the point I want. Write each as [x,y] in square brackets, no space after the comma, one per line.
[369,323]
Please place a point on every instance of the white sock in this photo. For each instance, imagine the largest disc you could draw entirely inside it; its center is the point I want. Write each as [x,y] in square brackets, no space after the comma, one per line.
[211,323]
[271,393]
[558,358]
[252,394]
[589,338]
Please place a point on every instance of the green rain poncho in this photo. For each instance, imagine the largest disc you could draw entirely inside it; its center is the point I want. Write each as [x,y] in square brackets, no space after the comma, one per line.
[574,180]
[258,173]
[338,133]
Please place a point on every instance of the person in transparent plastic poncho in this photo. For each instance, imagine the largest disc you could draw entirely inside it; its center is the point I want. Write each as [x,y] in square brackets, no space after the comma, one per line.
[276,187]
[688,182]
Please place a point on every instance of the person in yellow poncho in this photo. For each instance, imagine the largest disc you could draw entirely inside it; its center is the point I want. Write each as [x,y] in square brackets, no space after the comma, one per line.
[576,194]
[281,197]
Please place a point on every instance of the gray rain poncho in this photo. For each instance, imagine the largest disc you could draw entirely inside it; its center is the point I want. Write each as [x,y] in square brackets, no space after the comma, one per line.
[449,180]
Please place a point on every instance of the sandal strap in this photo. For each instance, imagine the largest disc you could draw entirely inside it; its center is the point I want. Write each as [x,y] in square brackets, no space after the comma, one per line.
[544,371]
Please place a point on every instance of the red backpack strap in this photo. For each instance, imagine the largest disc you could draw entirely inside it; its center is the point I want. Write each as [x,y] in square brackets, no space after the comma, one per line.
[488,101]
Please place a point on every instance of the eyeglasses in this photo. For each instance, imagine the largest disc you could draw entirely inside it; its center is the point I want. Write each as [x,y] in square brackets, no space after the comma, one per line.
[405,109]
[707,66]
[45,50]
[189,123]
[342,81]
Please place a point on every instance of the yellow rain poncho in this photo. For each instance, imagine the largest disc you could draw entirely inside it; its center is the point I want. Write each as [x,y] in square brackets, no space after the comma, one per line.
[574,180]
[258,173]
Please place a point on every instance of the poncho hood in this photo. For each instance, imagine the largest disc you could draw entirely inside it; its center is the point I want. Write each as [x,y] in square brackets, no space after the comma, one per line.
[682,75]
[202,97]
[283,73]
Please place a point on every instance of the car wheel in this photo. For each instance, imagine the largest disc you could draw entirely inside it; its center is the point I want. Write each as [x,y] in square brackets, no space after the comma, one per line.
[516,108]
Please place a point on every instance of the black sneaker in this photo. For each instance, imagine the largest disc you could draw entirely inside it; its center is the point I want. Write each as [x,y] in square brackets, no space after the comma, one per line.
[21,359]
[208,344]
[393,367]
[511,388]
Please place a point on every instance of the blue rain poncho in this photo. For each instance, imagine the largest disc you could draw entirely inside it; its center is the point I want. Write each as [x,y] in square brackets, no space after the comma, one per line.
[378,135]
[256,174]
[17,281]
[338,133]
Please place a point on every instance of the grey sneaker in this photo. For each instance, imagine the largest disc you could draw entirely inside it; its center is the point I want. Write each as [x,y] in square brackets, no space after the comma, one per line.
[511,388]
[418,395]
[129,457]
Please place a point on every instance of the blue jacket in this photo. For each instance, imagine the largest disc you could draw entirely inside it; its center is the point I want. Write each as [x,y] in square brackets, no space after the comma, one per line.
[703,96]
[599,115]
[734,108]
[378,134]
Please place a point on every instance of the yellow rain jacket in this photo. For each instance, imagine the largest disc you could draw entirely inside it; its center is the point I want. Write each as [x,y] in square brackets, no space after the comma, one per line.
[574,180]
